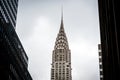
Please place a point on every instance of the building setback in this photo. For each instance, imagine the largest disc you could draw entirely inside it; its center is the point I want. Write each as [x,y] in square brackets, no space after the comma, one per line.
[13,59]
[61,57]
[109,15]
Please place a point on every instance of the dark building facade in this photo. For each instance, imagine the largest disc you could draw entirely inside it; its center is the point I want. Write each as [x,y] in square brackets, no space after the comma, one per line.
[109,15]
[100,61]
[13,59]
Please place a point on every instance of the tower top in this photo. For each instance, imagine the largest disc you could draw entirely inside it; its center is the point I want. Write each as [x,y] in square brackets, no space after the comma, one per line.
[61,56]
[61,40]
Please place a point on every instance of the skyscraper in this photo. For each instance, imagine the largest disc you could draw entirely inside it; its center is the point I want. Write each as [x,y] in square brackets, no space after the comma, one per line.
[61,57]
[109,15]
[13,58]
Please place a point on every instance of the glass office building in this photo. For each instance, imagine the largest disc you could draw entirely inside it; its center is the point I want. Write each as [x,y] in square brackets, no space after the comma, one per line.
[13,59]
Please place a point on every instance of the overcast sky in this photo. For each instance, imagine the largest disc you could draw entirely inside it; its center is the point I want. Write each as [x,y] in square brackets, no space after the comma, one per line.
[38,23]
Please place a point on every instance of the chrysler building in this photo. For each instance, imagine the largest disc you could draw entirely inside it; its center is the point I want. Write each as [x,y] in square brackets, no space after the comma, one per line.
[61,57]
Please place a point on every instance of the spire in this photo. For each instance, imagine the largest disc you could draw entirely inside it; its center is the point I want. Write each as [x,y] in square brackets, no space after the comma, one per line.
[62,24]
[61,40]
[62,13]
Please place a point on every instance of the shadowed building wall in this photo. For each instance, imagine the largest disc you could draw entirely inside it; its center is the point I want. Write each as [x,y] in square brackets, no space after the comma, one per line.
[109,15]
